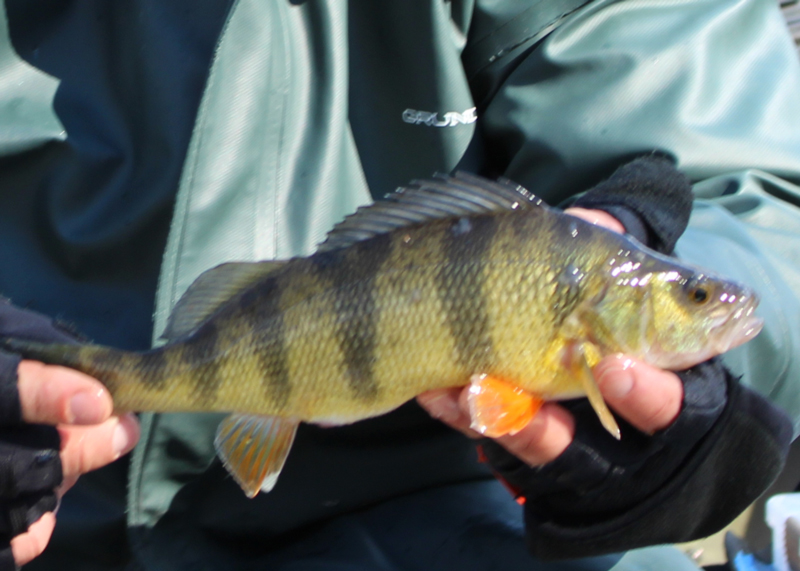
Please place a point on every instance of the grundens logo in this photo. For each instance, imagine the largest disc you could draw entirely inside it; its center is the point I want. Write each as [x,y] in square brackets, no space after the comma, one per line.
[433,119]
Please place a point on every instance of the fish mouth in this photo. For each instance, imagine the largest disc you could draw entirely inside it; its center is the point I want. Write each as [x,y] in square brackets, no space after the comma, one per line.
[735,328]
[740,326]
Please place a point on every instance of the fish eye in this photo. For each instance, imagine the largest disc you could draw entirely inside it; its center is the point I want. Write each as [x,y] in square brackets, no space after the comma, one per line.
[699,295]
[698,292]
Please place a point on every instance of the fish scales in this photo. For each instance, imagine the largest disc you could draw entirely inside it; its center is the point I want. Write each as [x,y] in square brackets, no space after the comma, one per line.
[537,279]
[448,282]
[462,288]
[259,307]
[416,342]
[412,313]
[322,367]
[355,332]
[392,318]
[243,377]
[351,274]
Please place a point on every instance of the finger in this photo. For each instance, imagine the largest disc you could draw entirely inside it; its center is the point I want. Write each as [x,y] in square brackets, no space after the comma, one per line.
[29,545]
[443,405]
[50,394]
[86,448]
[647,397]
[544,438]
[598,217]
[541,441]
[65,486]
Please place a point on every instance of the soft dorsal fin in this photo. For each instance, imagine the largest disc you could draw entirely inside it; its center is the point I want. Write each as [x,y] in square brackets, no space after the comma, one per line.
[212,289]
[423,201]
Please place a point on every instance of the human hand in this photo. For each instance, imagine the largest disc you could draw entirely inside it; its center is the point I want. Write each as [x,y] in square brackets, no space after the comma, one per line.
[43,410]
[80,408]
[648,398]
[588,493]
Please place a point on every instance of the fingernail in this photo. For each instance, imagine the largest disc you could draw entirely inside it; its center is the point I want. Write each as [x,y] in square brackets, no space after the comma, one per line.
[86,408]
[121,441]
[444,407]
[617,382]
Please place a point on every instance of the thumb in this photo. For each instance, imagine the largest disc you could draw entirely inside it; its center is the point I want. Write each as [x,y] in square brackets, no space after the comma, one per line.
[50,394]
[647,397]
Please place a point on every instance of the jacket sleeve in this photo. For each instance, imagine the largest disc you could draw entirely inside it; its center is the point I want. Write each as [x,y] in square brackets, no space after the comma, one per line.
[713,84]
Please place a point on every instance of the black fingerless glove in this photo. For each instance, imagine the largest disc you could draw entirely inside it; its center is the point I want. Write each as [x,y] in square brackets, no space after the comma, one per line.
[650,197]
[688,481]
[30,465]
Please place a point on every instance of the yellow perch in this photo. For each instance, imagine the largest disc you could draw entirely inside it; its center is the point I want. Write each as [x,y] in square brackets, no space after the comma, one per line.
[448,280]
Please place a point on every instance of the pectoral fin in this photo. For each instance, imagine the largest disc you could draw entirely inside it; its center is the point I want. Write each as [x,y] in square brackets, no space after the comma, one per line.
[254,449]
[497,407]
[578,360]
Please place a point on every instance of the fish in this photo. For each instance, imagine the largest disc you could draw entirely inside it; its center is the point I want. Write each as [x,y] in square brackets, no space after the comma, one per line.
[453,281]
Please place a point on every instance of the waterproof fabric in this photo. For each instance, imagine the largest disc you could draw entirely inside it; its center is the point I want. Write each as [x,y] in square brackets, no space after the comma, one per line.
[26,97]
[561,100]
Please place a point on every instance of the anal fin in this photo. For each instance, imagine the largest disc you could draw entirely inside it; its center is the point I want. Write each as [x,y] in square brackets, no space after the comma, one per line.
[498,407]
[254,448]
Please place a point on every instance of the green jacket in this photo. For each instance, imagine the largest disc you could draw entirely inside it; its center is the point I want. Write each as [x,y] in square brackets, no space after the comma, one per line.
[312,108]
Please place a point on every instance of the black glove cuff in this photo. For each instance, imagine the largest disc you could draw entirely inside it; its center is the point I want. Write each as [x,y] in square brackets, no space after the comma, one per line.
[29,460]
[16,517]
[7,562]
[614,508]
[27,324]
[10,409]
[650,197]
[30,472]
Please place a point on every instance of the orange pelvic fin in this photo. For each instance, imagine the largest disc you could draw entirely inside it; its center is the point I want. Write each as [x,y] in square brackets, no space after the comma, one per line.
[498,407]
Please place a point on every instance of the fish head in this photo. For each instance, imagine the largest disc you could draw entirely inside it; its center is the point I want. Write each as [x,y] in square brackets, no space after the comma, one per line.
[672,315]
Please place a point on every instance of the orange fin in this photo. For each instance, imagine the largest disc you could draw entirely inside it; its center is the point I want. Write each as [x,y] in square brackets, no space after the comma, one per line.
[254,449]
[498,407]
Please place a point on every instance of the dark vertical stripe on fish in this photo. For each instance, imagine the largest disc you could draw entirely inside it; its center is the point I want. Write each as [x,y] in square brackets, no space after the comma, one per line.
[260,306]
[106,365]
[153,369]
[460,283]
[200,352]
[352,274]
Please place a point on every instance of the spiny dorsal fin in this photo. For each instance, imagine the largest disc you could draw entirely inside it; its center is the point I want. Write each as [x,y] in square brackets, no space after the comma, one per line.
[210,291]
[423,201]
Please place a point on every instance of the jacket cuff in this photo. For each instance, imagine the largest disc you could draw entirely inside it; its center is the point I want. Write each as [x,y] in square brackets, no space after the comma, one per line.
[7,562]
